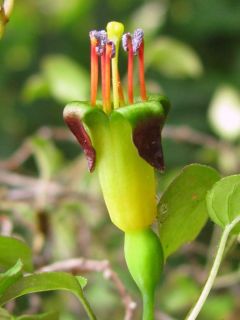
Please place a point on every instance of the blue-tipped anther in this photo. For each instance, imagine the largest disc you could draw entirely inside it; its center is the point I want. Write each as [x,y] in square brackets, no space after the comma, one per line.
[125,39]
[101,38]
[137,40]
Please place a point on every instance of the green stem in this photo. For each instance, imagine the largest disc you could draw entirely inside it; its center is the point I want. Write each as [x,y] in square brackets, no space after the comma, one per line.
[208,285]
[148,306]
[88,308]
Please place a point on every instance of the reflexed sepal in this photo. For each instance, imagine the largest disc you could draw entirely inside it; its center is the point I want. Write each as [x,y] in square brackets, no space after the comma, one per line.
[76,115]
[147,120]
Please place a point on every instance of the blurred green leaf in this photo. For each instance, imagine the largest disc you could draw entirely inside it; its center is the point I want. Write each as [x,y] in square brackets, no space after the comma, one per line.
[182,207]
[66,79]
[10,276]
[173,58]
[42,282]
[11,250]
[179,293]
[156,13]
[217,307]
[224,113]
[223,201]
[64,12]
[49,159]
[35,87]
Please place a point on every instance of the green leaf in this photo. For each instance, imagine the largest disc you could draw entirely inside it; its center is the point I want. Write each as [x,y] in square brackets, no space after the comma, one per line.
[173,58]
[223,201]
[35,87]
[48,281]
[156,9]
[10,276]
[182,207]
[11,250]
[53,315]
[66,79]
[49,159]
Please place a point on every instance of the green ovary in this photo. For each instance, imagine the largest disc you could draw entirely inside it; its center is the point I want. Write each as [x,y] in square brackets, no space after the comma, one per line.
[144,257]
[127,181]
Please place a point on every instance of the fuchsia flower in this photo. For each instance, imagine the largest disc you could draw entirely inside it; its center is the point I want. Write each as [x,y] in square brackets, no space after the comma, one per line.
[121,140]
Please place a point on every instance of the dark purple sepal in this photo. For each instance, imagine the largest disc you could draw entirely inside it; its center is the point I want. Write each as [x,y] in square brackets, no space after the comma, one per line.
[147,139]
[77,128]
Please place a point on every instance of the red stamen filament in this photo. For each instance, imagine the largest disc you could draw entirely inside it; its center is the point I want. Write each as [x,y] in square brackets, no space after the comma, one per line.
[94,72]
[107,79]
[141,72]
[103,75]
[130,70]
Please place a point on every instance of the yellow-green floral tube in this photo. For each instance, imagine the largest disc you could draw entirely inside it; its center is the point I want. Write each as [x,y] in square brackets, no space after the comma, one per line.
[127,181]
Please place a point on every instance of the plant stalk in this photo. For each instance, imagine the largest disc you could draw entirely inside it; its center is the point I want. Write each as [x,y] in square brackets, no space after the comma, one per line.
[213,273]
[148,306]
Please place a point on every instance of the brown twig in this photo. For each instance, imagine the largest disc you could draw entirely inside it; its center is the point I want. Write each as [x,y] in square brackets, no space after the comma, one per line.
[81,265]
[228,280]
[5,226]
[176,133]
[17,158]
[25,150]
[163,316]
[27,188]
[189,135]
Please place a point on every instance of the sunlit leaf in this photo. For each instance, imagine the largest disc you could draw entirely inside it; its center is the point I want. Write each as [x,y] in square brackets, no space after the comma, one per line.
[224,113]
[223,201]
[173,58]
[11,251]
[66,79]
[182,207]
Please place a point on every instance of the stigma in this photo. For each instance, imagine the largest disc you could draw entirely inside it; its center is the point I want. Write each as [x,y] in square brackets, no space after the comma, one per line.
[104,56]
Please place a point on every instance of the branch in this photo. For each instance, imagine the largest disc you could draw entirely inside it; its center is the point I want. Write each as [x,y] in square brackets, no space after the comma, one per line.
[5,226]
[176,133]
[81,265]
[189,135]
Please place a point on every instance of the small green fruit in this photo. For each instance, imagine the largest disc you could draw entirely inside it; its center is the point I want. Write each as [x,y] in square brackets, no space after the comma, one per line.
[144,257]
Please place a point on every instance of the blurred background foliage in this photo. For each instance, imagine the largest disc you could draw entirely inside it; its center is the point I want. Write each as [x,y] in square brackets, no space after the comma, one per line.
[192,56]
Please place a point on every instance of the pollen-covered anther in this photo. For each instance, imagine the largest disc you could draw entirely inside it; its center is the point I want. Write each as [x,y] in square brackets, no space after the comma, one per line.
[125,40]
[137,40]
[102,39]
[138,49]
[93,34]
